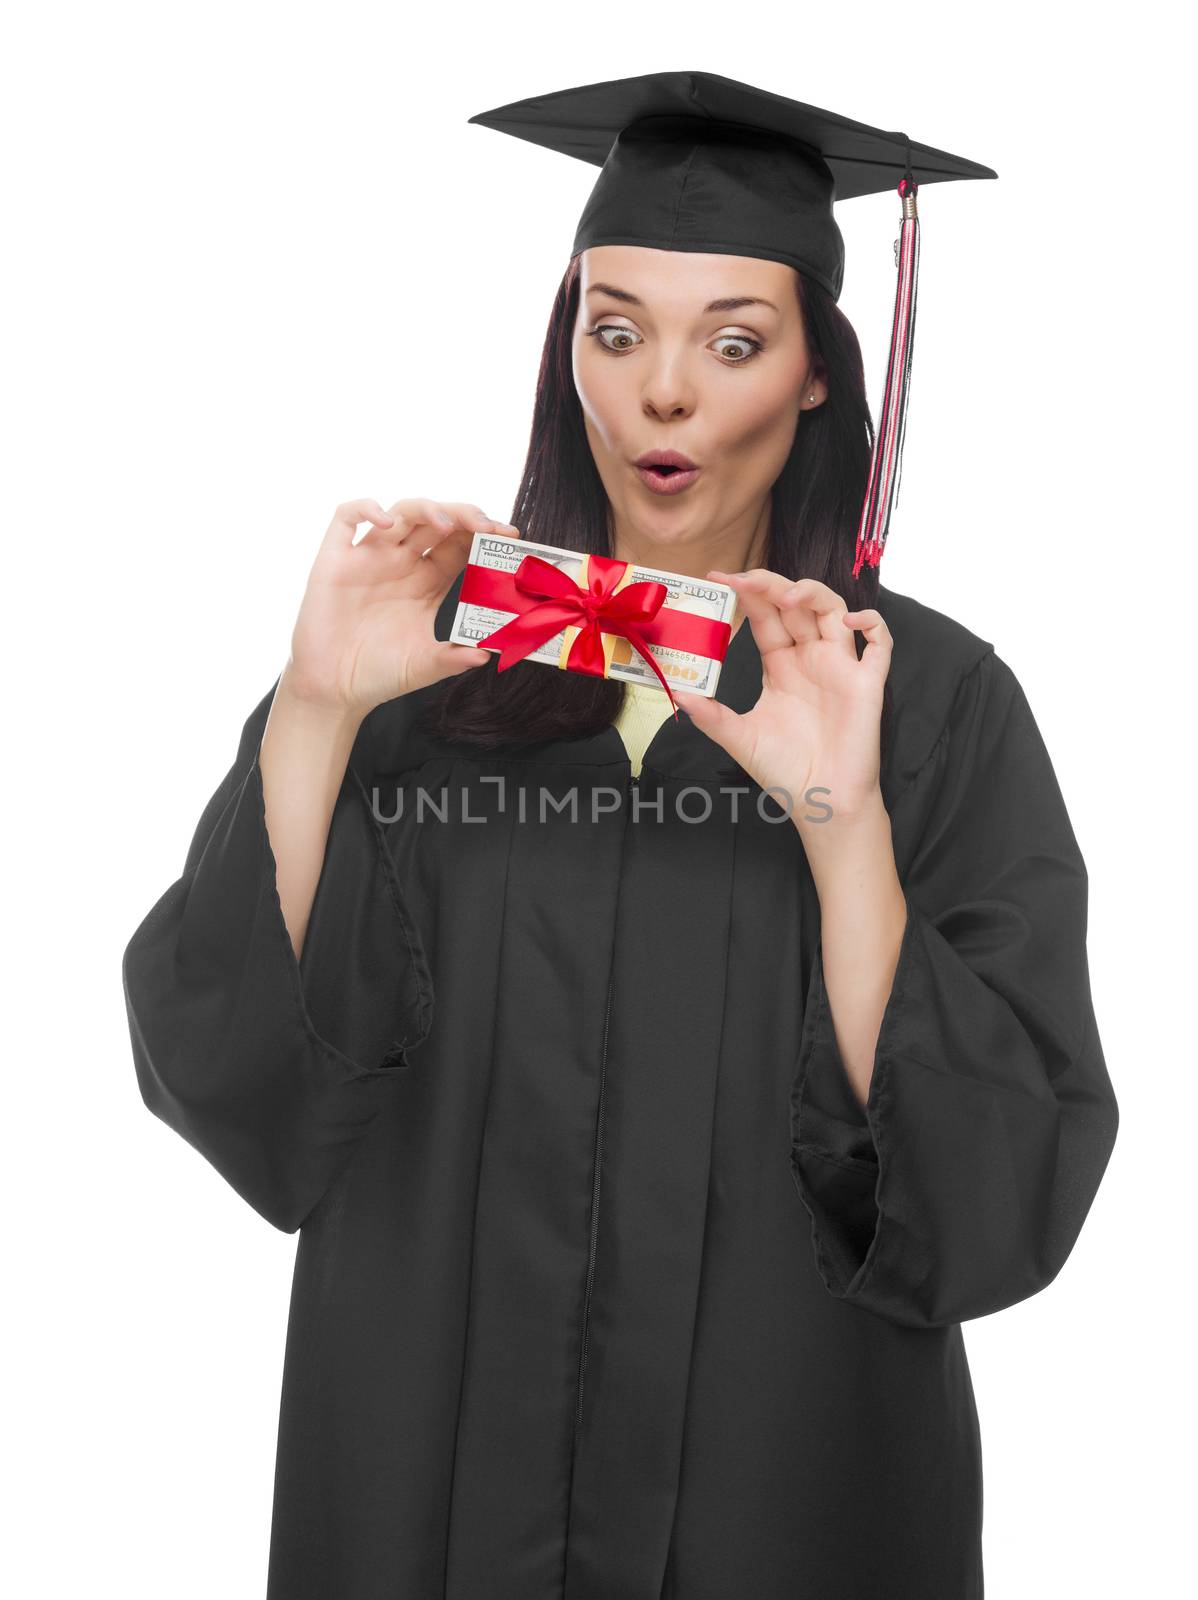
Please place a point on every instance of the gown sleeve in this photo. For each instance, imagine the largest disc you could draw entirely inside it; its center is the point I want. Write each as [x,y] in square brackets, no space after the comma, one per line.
[963,1185]
[273,1068]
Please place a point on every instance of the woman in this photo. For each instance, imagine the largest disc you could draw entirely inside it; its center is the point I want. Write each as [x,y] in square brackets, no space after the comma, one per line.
[647,1142]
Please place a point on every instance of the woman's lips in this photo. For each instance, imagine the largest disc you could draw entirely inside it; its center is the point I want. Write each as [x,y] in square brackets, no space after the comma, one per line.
[668,482]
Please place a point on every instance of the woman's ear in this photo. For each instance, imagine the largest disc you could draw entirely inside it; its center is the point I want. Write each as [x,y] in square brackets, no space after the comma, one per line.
[816,390]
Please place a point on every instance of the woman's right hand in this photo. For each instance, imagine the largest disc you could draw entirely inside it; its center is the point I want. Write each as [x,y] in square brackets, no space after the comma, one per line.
[364,633]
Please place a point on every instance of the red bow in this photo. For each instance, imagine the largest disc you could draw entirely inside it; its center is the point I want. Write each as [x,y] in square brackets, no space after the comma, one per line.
[561,601]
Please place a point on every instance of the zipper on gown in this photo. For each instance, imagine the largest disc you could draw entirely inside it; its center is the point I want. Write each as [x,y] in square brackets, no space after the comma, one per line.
[630,783]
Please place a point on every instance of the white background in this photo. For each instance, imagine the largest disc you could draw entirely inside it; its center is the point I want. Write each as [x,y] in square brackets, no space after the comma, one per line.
[257,263]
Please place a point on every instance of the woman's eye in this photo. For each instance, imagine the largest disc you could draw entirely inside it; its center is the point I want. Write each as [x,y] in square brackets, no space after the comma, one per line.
[742,343]
[610,327]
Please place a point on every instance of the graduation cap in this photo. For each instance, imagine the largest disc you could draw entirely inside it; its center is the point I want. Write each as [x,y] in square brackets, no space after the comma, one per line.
[695,161]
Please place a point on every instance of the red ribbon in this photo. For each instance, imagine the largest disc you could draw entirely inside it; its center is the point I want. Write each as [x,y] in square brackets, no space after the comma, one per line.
[634,613]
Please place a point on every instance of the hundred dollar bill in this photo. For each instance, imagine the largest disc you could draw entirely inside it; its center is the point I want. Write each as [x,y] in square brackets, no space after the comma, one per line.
[680,668]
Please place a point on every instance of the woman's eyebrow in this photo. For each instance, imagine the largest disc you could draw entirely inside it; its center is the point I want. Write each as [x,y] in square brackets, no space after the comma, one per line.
[729,303]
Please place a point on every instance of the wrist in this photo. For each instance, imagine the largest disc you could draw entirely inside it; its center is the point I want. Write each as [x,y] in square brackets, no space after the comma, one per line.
[312,710]
[865,817]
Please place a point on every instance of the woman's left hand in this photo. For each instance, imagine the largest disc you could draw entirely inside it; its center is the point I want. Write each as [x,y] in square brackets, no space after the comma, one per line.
[817,723]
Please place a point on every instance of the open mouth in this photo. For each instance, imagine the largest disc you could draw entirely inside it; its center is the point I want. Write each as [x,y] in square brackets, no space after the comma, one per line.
[667,477]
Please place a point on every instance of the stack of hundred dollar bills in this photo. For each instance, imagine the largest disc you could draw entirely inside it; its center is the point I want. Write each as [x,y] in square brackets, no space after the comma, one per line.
[700,674]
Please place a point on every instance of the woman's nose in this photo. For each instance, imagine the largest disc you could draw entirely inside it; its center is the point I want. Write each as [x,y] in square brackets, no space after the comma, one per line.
[668,388]
[666,399]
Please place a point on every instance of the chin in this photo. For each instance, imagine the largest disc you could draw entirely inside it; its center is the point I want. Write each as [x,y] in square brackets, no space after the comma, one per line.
[666,526]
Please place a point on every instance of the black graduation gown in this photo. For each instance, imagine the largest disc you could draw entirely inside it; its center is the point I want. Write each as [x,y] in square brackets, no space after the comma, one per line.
[606,1288]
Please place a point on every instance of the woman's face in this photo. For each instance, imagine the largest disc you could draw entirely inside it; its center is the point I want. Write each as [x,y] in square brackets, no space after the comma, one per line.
[701,354]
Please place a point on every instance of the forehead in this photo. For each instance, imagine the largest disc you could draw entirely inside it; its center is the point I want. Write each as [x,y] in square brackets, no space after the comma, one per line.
[684,277]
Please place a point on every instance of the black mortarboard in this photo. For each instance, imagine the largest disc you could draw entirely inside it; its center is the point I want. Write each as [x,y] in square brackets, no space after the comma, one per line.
[695,161]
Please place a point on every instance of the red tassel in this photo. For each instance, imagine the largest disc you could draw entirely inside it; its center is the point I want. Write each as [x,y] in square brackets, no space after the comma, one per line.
[885,471]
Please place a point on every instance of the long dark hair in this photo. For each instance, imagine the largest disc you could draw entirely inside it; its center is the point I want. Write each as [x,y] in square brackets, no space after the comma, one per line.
[814,511]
